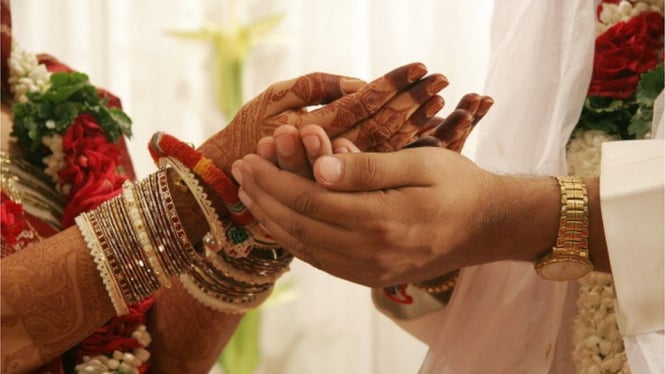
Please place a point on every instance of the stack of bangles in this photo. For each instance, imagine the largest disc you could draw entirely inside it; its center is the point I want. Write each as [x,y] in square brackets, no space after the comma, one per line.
[139,244]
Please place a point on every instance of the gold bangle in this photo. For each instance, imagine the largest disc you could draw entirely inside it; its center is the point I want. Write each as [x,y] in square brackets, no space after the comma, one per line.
[214,240]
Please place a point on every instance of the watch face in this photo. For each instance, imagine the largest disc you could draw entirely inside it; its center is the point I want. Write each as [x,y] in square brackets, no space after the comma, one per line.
[567,269]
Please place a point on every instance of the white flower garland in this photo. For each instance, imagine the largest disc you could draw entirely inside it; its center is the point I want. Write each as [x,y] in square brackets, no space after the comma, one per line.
[598,345]
[625,10]
[26,74]
[583,153]
[120,362]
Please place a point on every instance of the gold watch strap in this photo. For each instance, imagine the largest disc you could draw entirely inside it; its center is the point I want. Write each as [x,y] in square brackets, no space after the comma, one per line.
[574,223]
[569,258]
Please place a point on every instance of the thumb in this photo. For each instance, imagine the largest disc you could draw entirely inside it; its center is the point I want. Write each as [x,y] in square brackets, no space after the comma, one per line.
[374,171]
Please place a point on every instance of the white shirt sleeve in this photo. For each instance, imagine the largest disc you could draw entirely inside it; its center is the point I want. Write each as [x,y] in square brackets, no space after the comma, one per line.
[632,203]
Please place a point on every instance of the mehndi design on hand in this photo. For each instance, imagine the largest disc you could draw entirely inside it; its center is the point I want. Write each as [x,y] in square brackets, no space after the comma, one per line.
[451,133]
[383,105]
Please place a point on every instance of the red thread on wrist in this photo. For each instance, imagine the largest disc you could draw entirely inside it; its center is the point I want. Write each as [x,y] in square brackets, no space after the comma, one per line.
[165,145]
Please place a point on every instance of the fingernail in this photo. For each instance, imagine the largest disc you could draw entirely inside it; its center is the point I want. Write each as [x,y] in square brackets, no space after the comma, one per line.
[330,169]
[285,145]
[266,148]
[440,82]
[235,171]
[341,149]
[312,145]
[417,71]
[244,198]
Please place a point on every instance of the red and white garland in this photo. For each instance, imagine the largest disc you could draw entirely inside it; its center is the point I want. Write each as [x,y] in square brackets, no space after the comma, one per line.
[85,167]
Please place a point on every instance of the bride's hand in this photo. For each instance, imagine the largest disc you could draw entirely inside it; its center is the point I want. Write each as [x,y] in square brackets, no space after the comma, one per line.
[403,100]
[295,150]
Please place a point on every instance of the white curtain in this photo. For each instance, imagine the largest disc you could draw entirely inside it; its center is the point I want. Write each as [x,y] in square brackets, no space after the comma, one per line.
[164,83]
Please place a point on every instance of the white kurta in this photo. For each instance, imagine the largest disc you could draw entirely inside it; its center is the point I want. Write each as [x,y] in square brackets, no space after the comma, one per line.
[502,317]
[632,201]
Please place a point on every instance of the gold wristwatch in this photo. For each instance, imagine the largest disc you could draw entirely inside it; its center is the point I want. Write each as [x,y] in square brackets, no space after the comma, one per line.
[569,258]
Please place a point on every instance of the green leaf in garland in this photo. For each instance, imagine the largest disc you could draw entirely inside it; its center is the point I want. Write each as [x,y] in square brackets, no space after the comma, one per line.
[650,86]
[51,112]
[65,85]
[122,120]
[609,115]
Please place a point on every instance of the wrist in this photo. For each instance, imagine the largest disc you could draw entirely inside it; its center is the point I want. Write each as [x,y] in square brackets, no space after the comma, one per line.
[531,208]
[597,244]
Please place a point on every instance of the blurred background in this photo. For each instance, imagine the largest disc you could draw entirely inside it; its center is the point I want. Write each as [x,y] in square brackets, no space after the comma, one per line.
[163,58]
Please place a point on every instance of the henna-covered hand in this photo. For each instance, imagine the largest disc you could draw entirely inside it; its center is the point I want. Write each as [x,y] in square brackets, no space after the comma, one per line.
[368,114]
[451,133]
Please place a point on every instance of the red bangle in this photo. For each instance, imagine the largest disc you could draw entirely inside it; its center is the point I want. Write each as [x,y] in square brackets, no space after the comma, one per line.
[165,145]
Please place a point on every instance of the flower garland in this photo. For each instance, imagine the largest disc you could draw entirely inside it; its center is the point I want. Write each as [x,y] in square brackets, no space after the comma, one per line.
[73,130]
[627,77]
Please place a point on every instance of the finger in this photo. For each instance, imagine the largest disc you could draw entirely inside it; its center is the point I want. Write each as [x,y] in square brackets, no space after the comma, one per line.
[374,171]
[486,103]
[429,127]
[316,142]
[390,118]
[290,151]
[305,208]
[476,104]
[419,121]
[301,235]
[470,102]
[309,89]
[344,145]
[266,149]
[272,223]
[455,129]
[303,196]
[426,141]
[344,113]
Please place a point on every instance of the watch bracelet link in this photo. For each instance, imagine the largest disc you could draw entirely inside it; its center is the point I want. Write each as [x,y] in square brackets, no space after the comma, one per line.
[574,222]
[571,247]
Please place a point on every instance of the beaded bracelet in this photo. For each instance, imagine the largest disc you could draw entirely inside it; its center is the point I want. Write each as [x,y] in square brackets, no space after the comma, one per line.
[218,301]
[438,285]
[140,229]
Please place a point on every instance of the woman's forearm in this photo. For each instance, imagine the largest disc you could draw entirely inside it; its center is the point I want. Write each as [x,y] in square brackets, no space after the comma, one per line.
[187,336]
[52,298]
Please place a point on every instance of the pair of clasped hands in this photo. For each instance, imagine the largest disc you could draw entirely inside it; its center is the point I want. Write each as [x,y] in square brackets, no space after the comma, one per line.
[359,187]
